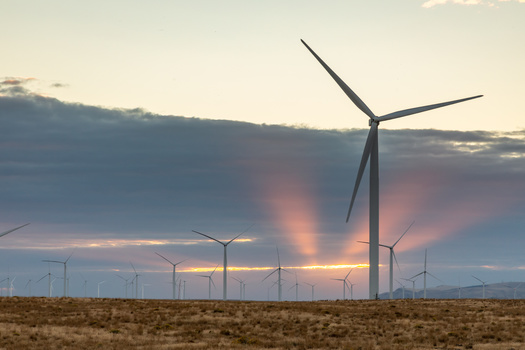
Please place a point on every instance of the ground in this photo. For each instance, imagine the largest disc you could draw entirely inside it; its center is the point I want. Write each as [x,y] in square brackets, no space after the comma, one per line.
[81,323]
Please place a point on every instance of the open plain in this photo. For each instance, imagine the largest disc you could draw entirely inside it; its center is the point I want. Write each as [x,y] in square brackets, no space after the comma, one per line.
[78,323]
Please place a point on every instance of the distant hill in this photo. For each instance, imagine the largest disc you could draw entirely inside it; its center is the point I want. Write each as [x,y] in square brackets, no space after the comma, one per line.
[492,291]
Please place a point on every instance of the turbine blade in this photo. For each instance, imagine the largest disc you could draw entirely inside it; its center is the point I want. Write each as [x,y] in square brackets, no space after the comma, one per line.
[477,279]
[38,280]
[69,257]
[435,277]
[53,261]
[278,258]
[395,258]
[214,270]
[211,279]
[241,233]
[419,274]
[404,233]
[202,234]
[180,262]
[355,99]
[363,242]
[415,110]
[14,229]
[164,258]
[271,273]
[348,274]
[133,267]
[372,134]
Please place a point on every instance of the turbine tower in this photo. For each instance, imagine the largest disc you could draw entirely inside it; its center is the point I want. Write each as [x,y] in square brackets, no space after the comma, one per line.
[424,273]
[392,258]
[371,151]
[174,280]
[345,284]
[65,270]
[225,267]
[136,282]
[313,286]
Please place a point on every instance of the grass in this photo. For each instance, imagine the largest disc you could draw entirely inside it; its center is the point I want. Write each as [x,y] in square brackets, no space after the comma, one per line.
[71,323]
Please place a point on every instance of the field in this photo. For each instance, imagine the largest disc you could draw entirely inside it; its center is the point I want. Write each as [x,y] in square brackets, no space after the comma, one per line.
[77,323]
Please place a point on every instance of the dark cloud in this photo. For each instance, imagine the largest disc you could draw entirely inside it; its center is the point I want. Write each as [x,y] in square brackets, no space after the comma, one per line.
[15,86]
[86,172]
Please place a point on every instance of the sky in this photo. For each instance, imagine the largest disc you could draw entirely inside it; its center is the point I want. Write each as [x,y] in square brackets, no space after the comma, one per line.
[126,125]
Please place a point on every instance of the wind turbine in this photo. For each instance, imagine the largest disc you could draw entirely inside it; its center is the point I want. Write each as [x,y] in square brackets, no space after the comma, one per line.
[49,280]
[296,285]
[98,288]
[392,258]
[174,280]
[136,281]
[413,286]
[28,284]
[516,289]
[313,286]
[345,284]
[279,280]
[85,285]
[225,266]
[210,281]
[483,285]
[11,287]
[65,270]
[403,288]
[241,283]
[125,284]
[371,151]
[11,230]
[424,273]
[352,289]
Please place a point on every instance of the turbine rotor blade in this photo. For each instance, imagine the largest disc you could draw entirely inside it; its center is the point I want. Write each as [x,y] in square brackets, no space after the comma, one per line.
[410,111]
[352,95]
[202,234]
[348,274]
[395,258]
[271,273]
[435,277]
[404,233]
[372,134]
[419,274]
[164,258]
[11,230]
[240,234]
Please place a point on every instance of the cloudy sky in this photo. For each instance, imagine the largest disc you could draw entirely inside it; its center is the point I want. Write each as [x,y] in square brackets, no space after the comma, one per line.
[128,125]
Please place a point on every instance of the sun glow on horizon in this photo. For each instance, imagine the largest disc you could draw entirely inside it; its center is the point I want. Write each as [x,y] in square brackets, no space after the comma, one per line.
[265,268]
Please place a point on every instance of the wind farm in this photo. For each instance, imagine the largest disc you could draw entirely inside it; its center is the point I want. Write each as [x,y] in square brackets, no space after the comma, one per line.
[141,142]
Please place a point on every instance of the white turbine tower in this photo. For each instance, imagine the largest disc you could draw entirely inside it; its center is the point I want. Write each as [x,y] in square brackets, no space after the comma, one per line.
[210,281]
[424,273]
[225,266]
[392,258]
[279,280]
[65,270]
[371,151]
[174,279]
[345,284]
[84,285]
[483,285]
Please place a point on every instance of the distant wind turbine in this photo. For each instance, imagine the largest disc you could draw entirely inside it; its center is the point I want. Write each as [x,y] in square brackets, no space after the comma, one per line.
[125,284]
[313,286]
[225,266]
[402,286]
[371,151]
[516,289]
[174,279]
[413,286]
[483,285]
[279,280]
[345,284]
[98,288]
[424,273]
[210,281]
[392,258]
[65,270]
[28,284]
[136,282]
[241,287]
[49,280]
[296,285]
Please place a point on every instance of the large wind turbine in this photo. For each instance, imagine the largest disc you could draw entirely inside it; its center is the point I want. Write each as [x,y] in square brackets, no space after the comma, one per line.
[279,280]
[371,151]
[345,284]
[392,258]
[65,270]
[225,267]
[210,281]
[174,280]
[136,282]
[424,273]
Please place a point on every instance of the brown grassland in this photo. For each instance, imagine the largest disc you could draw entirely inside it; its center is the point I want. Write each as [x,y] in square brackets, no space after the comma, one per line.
[77,323]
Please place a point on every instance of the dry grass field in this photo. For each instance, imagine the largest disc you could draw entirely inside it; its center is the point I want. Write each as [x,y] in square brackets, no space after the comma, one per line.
[71,323]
